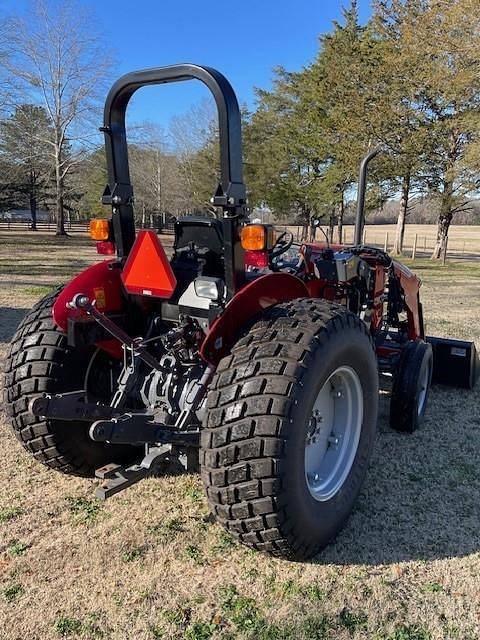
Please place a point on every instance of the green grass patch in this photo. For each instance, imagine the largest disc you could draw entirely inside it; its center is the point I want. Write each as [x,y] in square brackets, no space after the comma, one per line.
[194,490]
[17,548]
[435,269]
[65,626]
[39,291]
[200,631]
[84,510]
[431,587]
[351,620]
[9,513]
[12,592]
[225,542]
[167,530]
[134,553]
[408,632]
[194,553]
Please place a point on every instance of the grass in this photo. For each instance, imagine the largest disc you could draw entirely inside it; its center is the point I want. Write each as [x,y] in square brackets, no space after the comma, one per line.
[13,592]
[17,548]
[150,563]
[84,510]
[9,513]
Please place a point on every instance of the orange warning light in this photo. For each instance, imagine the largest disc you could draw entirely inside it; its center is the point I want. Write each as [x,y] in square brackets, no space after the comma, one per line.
[147,271]
[99,229]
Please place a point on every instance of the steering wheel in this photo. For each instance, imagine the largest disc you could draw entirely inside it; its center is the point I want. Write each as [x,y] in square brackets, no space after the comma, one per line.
[281,245]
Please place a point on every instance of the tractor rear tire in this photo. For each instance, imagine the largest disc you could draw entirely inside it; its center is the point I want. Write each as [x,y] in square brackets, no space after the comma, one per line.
[40,361]
[411,385]
[261,424]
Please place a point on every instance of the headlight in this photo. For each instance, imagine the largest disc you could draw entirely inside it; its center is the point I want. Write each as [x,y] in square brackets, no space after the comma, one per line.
[211,288]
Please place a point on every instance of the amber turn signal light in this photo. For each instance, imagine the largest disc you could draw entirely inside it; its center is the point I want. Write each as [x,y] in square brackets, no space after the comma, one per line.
[257,237]
[99,229]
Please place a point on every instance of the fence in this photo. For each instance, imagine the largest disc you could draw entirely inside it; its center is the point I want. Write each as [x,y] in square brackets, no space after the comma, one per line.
[26,225]
[419,241]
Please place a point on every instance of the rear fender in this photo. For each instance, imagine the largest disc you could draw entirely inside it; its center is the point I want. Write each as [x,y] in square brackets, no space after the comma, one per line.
[100,282]
[258,295]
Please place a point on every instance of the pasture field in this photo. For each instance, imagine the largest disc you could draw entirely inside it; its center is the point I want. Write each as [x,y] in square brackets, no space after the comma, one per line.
[150,564]
[463,241]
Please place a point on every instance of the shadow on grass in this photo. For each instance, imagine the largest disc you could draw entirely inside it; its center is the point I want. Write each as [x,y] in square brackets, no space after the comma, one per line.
[421,499]
[9,320]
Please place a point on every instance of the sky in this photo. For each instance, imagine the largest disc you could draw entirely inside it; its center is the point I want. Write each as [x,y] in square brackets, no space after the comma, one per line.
[244,40]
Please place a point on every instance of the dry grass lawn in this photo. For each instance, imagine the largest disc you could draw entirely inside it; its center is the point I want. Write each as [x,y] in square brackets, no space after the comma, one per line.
[150,564]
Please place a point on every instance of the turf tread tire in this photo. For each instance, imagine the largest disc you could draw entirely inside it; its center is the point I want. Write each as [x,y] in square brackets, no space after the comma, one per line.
[36,363]
[249,409]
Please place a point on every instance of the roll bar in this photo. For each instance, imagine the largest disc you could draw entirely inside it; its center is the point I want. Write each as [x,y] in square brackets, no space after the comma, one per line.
[230,193]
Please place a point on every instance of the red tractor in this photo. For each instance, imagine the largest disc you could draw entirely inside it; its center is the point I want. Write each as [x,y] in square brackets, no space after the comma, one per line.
[251,357]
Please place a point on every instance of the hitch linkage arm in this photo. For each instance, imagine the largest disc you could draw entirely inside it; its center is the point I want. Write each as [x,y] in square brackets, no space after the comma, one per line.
[81,301]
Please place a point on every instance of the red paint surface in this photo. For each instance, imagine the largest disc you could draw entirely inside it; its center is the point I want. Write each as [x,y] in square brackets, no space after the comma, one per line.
[147,270]
[260,294]
[99,282]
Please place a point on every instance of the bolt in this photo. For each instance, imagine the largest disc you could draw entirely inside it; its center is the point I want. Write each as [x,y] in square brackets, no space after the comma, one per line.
[333,440]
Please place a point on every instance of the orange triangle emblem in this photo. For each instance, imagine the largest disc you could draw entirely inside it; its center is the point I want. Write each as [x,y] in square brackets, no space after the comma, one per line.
[147,271]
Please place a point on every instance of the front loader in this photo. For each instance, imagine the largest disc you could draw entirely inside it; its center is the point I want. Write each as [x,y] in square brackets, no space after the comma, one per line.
[250,357]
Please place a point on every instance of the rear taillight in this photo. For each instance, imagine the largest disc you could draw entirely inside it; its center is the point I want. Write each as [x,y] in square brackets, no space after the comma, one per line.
[106,248]
[257,259]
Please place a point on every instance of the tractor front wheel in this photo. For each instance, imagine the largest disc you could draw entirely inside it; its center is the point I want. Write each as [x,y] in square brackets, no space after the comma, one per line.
[411,386]
[290,424]
[40,361]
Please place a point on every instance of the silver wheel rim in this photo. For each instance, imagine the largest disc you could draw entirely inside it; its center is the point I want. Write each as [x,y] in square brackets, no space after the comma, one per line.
[333,433]
[422,396]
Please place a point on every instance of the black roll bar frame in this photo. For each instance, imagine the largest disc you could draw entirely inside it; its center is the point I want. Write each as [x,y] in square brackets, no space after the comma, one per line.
[230,194]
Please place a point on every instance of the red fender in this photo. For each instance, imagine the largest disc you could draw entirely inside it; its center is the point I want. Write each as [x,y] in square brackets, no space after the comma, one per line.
[101,282]
[260,294]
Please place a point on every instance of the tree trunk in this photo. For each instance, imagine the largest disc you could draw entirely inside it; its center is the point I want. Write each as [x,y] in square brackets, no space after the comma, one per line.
[402,216]
[59,188]
[331,226]
[33,213]
[446,207]
[444,220]
[341,213]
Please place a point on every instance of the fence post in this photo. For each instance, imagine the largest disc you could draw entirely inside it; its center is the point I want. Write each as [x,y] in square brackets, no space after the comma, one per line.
[414,248]
[385,246]
[364,236]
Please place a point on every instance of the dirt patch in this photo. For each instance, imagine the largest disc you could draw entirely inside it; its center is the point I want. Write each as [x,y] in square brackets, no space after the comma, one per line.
[150,563]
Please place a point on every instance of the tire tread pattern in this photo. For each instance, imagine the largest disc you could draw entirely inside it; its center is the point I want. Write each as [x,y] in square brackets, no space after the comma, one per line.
[34,366]
[249,416]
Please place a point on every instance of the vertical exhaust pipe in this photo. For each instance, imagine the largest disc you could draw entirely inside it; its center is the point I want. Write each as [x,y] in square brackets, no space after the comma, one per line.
[362,186]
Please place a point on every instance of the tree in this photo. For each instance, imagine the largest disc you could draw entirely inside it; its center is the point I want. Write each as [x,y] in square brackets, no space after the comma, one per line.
[440,59]
[195,143]
[56,57]
[25,155]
